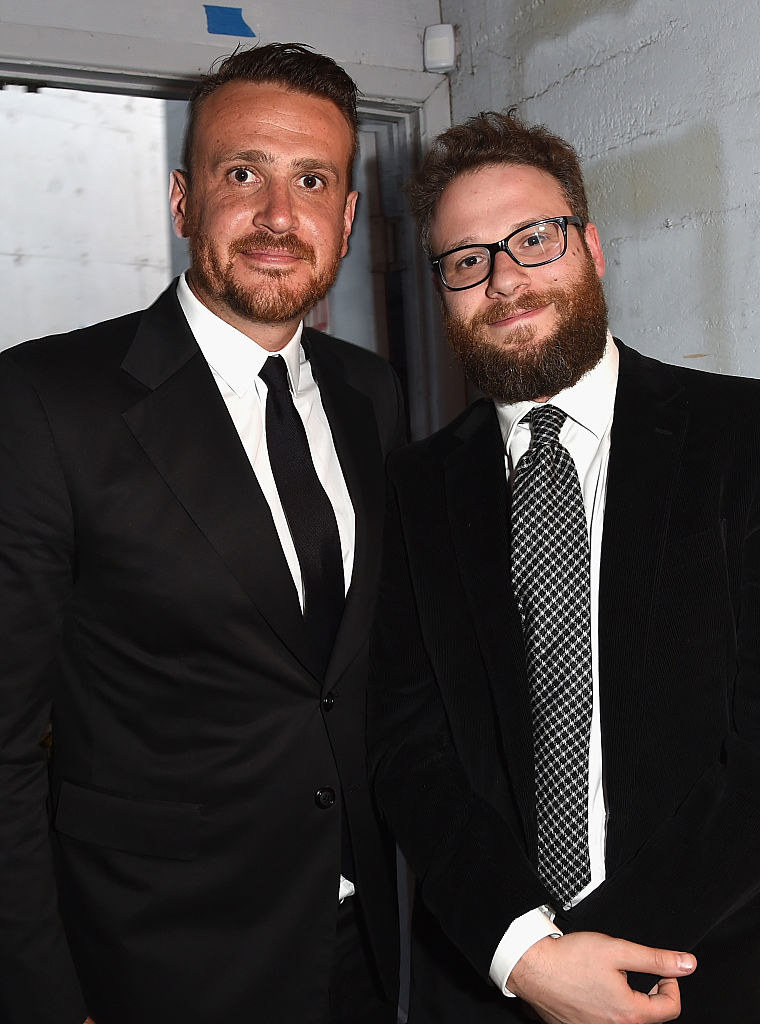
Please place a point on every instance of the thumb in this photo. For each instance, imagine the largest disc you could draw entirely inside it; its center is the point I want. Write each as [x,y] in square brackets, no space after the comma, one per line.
[664,963]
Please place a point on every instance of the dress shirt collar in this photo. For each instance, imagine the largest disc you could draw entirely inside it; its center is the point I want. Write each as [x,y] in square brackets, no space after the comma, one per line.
[232,355]
[590,402]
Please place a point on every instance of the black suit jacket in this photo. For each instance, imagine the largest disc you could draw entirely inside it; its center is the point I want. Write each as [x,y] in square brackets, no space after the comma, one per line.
[679,636]
[190,873]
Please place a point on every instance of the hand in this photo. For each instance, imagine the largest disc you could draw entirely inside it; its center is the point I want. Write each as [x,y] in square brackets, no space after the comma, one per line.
[580,978]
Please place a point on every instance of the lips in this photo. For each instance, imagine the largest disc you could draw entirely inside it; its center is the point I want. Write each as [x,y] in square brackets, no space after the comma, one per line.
[269,255]
[277,250]
[503,317]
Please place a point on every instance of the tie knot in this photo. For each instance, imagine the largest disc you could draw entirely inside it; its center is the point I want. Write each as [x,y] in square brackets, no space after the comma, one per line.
[545,424]
[274,373]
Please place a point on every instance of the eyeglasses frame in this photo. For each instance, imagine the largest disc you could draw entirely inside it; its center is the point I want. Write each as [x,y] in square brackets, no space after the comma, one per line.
[494,247]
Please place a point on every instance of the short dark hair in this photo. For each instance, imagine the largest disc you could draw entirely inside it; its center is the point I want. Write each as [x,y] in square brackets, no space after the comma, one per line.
[291,65]
[486,139]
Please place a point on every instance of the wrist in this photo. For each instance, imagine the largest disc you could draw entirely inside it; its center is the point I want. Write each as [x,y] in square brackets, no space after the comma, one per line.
[520,936]
[533,964]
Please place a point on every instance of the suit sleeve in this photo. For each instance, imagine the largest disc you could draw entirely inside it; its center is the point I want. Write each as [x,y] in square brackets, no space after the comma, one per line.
[703,862]
[38,981]
[468,861]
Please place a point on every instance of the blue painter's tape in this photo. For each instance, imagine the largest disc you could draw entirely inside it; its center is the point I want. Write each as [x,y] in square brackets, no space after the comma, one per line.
[226,21]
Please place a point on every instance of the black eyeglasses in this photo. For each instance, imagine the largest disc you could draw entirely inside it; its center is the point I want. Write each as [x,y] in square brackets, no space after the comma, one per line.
[538,243]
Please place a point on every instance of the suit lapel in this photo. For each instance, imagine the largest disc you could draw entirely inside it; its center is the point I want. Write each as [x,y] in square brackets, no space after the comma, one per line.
[184,428]
[648,432]
[478,507]
[354,430]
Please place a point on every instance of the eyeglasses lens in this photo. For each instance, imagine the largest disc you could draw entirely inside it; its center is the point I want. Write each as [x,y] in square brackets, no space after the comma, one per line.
[538,243]
[534,245]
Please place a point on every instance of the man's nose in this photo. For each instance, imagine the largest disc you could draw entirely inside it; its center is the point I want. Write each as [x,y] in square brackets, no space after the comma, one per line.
[506,277]
[274,208]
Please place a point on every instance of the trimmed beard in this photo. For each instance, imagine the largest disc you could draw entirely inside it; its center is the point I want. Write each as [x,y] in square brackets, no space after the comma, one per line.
[271,303]
[526,368]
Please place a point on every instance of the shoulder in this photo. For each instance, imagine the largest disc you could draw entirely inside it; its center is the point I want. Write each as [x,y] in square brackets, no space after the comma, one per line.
[63,356]
[716,393]
[89,353]
[81,339]
[715,414]
[476,425]
[359,363]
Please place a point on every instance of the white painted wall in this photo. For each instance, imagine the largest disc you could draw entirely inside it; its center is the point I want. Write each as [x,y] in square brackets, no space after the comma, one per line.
[660,97]
[355,31]
[84,225]
[380,44]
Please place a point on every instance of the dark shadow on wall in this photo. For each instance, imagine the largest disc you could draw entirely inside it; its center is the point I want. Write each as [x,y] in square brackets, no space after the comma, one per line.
[668,191]
[495,33]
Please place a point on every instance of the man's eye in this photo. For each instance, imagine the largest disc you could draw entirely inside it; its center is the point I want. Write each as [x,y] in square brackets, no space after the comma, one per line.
[311,182]
[531,240]
[242,175]
[470,260]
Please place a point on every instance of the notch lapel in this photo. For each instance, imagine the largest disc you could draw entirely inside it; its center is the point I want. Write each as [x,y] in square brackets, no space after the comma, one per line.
[184,428]
[479,515]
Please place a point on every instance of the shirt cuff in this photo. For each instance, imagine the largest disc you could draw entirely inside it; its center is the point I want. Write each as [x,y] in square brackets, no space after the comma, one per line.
[523,933]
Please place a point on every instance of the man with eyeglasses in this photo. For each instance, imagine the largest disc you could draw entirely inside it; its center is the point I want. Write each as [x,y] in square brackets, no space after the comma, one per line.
[564,716]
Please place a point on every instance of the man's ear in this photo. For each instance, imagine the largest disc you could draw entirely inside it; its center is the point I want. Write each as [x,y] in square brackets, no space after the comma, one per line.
[349,212]
[595,247]
[178,189]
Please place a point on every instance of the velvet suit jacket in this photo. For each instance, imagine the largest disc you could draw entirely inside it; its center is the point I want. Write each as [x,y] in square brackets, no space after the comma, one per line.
[182,869]
[679,636]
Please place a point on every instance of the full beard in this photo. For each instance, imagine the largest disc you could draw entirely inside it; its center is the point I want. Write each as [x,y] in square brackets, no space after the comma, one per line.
[527,368]
[272,299]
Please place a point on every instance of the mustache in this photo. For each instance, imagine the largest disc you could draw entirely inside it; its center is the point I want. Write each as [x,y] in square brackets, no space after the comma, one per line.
[289,243]
[527,301]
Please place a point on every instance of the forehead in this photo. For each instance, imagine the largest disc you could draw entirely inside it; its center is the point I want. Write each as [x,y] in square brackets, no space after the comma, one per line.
[247,115]
[487,203]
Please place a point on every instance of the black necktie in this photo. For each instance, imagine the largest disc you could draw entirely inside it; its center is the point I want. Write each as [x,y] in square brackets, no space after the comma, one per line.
[551,580]
[309,513]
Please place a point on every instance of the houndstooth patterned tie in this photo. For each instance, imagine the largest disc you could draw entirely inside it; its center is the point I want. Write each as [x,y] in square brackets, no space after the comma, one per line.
[551,581]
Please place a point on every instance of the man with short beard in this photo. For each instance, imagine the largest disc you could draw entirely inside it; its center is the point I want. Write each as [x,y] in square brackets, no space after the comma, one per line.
[190,527]
[564,704]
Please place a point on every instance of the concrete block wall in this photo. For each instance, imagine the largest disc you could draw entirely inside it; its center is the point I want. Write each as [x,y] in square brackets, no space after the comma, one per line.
[84,227]
[660,97]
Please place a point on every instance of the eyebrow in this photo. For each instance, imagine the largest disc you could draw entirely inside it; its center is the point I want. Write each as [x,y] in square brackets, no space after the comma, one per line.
[472,240]
[261,156]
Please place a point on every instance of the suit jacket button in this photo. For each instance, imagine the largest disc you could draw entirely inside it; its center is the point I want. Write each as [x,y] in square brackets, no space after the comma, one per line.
[325,797]
[327,701]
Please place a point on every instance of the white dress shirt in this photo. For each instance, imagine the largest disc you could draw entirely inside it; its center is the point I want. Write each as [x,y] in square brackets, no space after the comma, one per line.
[589,405]
[235,361]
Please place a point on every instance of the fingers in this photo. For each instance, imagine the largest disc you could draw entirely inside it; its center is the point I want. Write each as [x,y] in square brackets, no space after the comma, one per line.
[665,963]
[664,1001]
